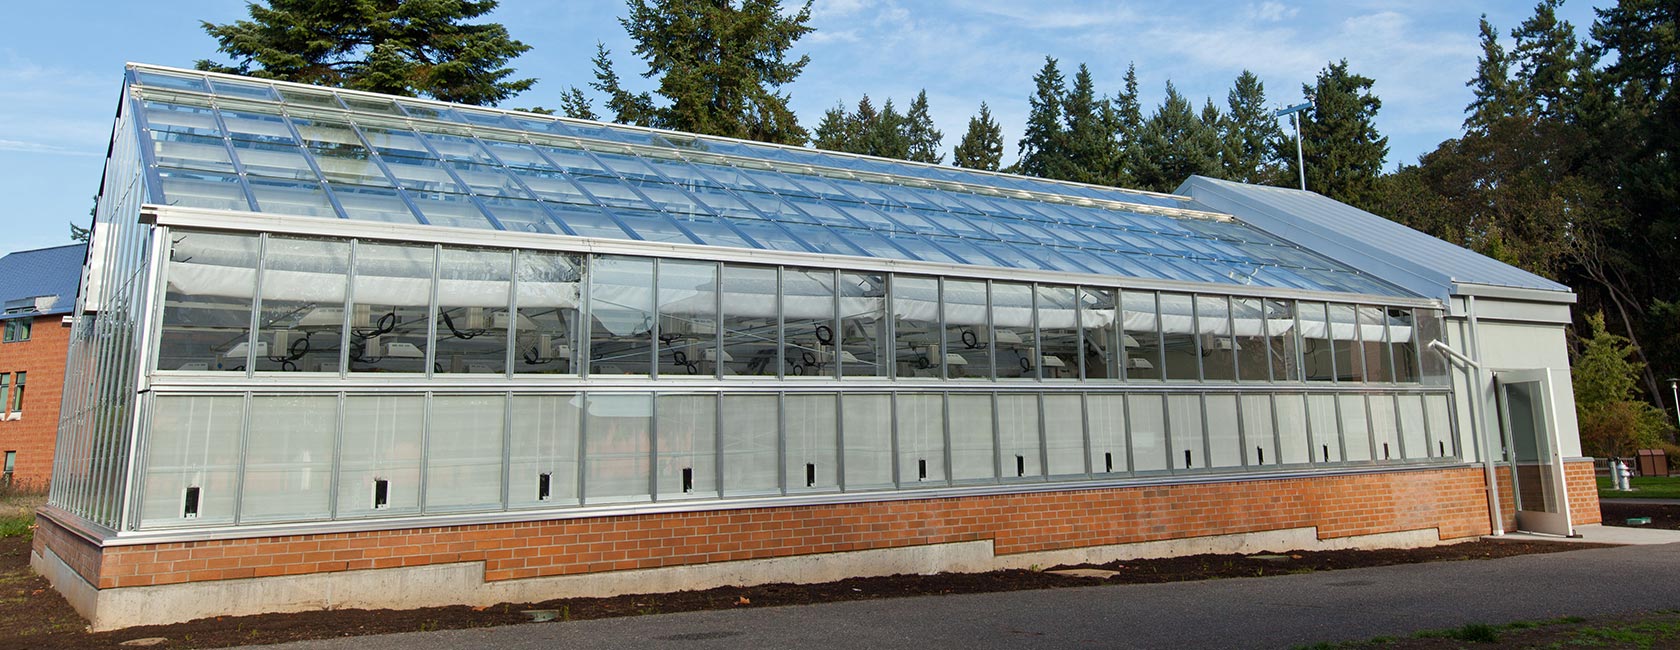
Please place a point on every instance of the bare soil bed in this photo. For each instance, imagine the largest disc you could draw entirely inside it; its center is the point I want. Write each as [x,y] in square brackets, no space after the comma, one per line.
[1666,516]
[32,615]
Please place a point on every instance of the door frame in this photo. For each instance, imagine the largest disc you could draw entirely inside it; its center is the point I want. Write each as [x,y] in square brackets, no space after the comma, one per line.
[1535,520]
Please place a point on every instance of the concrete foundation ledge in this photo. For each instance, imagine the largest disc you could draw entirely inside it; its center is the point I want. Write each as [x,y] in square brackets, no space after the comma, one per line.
[463,582]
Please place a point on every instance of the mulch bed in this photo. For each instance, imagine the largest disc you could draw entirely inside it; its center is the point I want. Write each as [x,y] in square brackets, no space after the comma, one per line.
[1664,516]
[32,615]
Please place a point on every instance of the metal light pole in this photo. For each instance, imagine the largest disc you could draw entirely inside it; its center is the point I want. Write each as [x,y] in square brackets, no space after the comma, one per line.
[1674,385]
[1294,116]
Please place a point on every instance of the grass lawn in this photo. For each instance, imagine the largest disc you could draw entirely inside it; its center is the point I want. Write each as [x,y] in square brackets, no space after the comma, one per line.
[1644,487]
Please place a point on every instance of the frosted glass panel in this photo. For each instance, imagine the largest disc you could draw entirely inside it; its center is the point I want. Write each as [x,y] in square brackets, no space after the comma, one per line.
[921,439]
[192,461]
[289,458]
[379,455]
[1443,441]
[1184,413]
[1295,438]
[687,433]
[1257,430]
[1323,421]
[464,453]
[1018,445]
[868,423]
[543,448]
[812,435]
[616,446]
[1224,441]
[1386,426]
[1064,436]
[1151,449]
[971,437]
[751,461]
[1413,435]
[1356,429]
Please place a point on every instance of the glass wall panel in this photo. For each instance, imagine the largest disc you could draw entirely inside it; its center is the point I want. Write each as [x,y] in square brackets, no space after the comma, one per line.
[1014,342]
[1184,419]
[1219,349]
[972,456]
[545,334]
[1064,437]
[812,427]
[289,458]
[1356,429]
[192,461]
[302,324]
[688,344]
[808,322]
[751,457]
[916,327]
[868,425]
[687,432]
[921,438]
[1104,352]
[1018,442]
[616,444]
[1442,438]
[393,297]
[1179,339]
[207,303]
[1317,349]
[543,450]
[472,322]
[1254,358]
[1058,331]
[464,453]
[863,325]
[1325,422]
[1344,333]
[621,316]
[1224,427]
[1142,339]
[1374,345]
[1259,449]
[1413,434]
[1294,437]
[1152,450]
[379,455]
[1405,346]
[1434,372]
[1386,425]
[1282,340]
[967,350]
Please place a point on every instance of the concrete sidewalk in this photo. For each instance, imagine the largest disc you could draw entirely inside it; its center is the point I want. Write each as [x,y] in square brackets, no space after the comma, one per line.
[1271,612]
[1600,534]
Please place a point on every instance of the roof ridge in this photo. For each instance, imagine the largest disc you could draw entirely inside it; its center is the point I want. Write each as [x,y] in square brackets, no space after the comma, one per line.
[45,248]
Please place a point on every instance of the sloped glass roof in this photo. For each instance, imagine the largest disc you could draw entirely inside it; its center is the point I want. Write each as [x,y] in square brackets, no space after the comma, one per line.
[252,145]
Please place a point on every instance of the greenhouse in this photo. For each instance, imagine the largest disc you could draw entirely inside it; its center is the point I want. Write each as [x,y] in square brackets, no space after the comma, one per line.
[311,311]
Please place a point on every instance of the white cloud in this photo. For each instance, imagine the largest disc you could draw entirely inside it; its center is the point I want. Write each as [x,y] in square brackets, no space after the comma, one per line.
[42,147]
[1270,12]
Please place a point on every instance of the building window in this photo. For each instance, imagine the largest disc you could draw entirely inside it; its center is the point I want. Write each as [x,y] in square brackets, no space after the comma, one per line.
[5,392]
[17,329]
[17,393]
[6,474]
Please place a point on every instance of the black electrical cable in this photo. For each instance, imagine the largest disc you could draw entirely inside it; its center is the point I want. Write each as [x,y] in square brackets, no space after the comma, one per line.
[970,340]
[825,335]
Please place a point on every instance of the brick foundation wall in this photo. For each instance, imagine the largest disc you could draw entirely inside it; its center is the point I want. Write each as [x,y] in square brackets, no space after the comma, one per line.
[1583,493]
[82,556]
[1451,500]
[34,435]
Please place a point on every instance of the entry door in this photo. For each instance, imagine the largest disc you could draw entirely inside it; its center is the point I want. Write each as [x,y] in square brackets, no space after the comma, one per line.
[1530,430]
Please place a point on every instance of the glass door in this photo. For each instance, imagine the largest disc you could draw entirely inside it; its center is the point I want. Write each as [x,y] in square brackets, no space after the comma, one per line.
[1530,432]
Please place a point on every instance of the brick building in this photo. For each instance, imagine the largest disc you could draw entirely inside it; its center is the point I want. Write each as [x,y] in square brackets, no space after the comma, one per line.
[37,293]
[338,349]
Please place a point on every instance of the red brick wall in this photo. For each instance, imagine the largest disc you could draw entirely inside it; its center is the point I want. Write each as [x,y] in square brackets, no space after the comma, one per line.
[1583,493]
[33,436]
[1452,500]
[82,556]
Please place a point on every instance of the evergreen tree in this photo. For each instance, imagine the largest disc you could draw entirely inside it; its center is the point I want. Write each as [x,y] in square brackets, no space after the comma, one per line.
[1042,148]
[1248,132]
[1128,127]
[1344,153]
[982,146]
[834,132]
[627,107]
[1495,94]
[401,47]
[719,64]
[1209,141]
[1613,422]
[884,135]
[1174,145]
[574,104]
[1089,144]
[924,140]
[1547,56]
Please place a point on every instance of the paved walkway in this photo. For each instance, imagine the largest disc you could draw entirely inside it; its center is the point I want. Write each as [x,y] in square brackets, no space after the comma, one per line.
[1271,612]
[1600,534]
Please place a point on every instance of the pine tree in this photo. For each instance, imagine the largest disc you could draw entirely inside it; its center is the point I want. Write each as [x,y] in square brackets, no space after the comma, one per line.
[834,132]
[1088,142]
[574,104]
[1208,141]
[924,140]
[1344,152]
[1042,148]
[982,146]
[1172,146]
[1128,127]
[1248,132]
[1495,93]
[627,107]
[399,47]
[719,64]
[1548,58]
[885,136]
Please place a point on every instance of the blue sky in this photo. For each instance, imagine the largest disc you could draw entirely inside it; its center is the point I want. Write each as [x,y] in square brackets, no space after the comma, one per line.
[61,65]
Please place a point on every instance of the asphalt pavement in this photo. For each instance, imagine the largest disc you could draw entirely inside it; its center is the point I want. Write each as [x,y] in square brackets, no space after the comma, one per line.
[1267,612]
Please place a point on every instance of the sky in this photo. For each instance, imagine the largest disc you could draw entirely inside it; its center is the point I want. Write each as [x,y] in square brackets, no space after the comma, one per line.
[61,66]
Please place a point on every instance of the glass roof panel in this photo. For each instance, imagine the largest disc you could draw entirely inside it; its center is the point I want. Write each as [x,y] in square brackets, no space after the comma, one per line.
[409,161]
